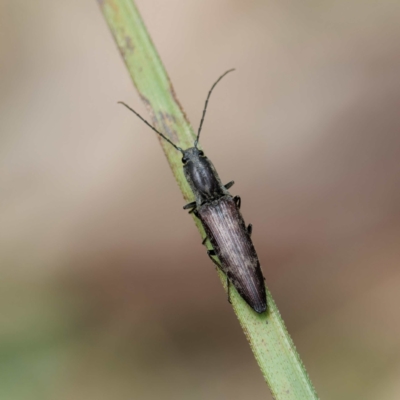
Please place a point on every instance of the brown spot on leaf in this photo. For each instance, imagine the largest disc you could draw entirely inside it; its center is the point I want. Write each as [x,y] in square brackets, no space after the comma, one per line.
[170,117]
[129,45]
[167,122]
[146,102]
[126,47]
[163,121]
[149,109]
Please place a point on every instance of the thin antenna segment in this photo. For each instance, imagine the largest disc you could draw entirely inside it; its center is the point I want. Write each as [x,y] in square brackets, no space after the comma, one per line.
[205,106]
[152,127]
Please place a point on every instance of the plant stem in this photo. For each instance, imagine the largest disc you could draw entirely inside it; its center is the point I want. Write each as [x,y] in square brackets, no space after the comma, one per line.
[269,340]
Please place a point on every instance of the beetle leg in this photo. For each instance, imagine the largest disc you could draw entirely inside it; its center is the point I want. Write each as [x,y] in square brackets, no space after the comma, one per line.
[212,253]
[229,289]
[229,184]
[193,209]
[250,229]
[237,201]
[191,205]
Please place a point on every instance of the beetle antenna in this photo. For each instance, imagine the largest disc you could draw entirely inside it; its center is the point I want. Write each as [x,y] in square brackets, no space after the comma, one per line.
[206,104]
[151,126]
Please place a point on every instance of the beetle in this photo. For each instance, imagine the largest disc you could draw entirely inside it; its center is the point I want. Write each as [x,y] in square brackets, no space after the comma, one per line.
[219,213]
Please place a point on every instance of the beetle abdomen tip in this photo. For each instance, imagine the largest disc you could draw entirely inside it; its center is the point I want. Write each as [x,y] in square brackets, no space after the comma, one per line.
[260,308]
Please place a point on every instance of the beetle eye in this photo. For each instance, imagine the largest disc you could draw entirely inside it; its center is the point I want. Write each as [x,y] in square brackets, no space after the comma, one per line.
[184,160]
[201,153]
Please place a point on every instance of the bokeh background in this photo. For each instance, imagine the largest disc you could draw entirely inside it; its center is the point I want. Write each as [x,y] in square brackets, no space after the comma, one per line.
[106,291]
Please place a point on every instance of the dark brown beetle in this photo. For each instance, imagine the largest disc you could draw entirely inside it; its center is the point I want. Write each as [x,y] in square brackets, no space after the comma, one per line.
[224,225]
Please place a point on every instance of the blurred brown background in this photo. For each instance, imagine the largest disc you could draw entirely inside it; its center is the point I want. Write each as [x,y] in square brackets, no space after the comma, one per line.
[106,291]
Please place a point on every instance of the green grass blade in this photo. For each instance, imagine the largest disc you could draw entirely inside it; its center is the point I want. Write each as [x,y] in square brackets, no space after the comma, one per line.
[270,342]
